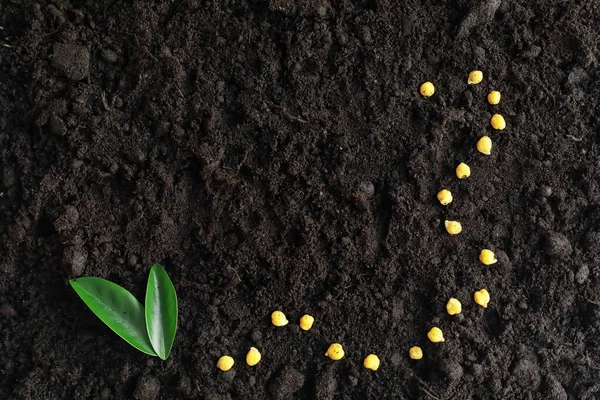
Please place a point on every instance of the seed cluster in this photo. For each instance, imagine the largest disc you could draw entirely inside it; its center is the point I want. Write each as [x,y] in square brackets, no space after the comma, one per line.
[445,197]
[334,352]
[453,306]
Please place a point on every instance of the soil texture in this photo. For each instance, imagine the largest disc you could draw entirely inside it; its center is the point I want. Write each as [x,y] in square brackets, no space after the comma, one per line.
[276,154]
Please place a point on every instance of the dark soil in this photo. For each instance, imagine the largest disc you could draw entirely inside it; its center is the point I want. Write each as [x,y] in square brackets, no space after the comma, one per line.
[277,155]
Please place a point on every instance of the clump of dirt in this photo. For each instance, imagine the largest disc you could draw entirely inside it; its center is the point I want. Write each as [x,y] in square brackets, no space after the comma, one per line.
[277,155]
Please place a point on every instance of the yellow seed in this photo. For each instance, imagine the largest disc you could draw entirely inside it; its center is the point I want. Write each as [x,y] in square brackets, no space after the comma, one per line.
[278,318]
[306,322]
[463,171]
[494,97]
[475,77]
[253,357]
[487,257]
[435,335]
[498,122]
[445,197]
[335,351]
[371,362]
[453,227]
[482,298]
[225,363]
[415,353]
[427,89]
[484,145]
[453,306]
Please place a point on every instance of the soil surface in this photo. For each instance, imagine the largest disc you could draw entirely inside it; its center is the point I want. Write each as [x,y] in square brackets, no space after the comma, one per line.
[276,154]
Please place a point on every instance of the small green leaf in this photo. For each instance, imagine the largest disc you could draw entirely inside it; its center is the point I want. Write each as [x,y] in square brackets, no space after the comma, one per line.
[161,311]
[117,308]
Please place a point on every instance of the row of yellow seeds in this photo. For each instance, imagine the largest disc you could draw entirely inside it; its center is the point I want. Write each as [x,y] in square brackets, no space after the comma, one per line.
[454,307]
[487,257]
[484,145]
[278,318]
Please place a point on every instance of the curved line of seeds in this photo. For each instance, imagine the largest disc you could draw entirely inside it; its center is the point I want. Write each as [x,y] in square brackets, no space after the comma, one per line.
[453,307]
[463,171]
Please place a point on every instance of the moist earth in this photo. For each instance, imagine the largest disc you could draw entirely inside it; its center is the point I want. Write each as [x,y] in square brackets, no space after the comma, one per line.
[277,154]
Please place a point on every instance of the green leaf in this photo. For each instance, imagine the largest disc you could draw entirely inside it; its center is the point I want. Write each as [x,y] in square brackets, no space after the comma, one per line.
[117,308]
[161,311]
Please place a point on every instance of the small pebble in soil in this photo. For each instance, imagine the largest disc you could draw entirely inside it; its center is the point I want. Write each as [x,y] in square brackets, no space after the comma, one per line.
[502,257]
[108,55]
[526,373]
[435,335]
[371,362]
[396,359]
[453,227]
[106,394]
[497,121]
[256,336]
[288,382]
[326,384]
[132,259]
[306,322]
[482,297]
[445,197]
[522,305]
[453,306]
[544,191]
[487,257]
[557,245]
[225,363]
[463,171]
[9,177]
[554,389]
[278,318]
[71,60]
[148,388]
[367,189]
[477,370]
[592,241]
[582,274]
[57,125]
[475,77]
[453,370]
[335,352]
[415,353]
[427,89]
[68,219]
[577,76]
[484,145]
[185,385]
[253,357]
[353,380]
[8,311]
[74,258]
[494,97]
